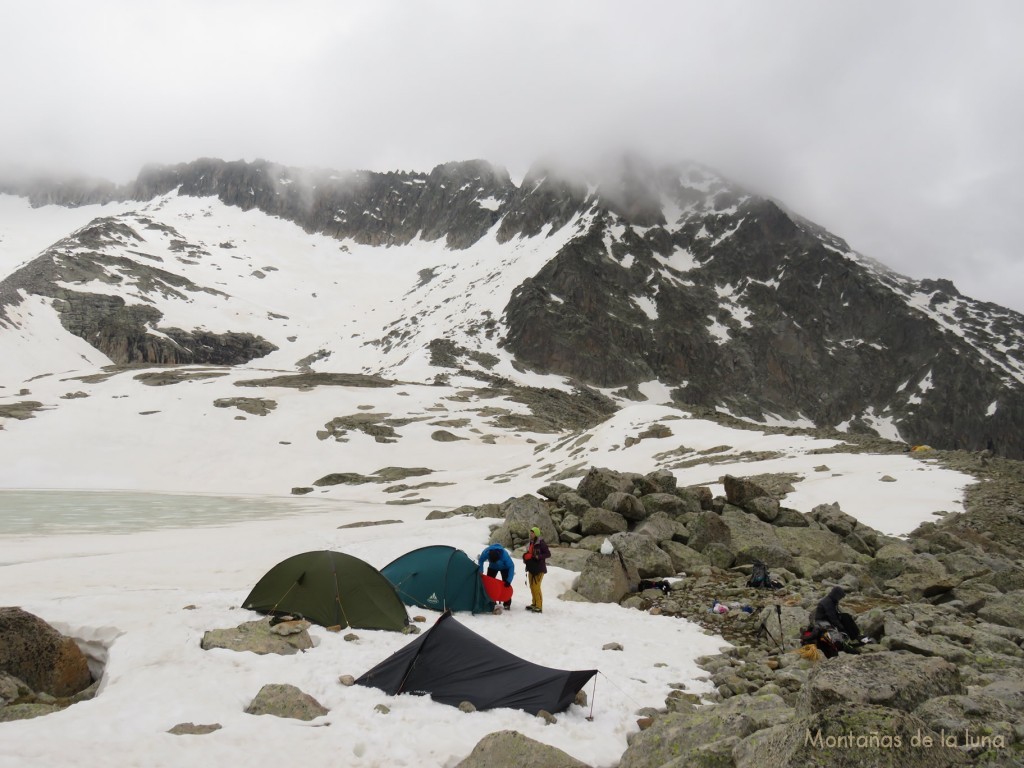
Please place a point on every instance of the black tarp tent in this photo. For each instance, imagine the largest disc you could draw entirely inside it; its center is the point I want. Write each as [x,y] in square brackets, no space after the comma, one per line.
[453,664]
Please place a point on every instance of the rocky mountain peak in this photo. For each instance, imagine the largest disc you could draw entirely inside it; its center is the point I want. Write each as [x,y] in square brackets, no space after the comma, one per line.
[633,273]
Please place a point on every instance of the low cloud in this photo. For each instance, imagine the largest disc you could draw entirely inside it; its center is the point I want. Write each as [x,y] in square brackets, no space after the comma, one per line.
[902,137]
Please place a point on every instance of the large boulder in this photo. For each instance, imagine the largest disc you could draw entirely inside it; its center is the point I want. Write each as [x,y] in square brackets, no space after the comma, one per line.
[698,496]
[977,714]
[740,490]
[511,749]
[661,527]
[597,522]
[773,556]
[746,529]
[708,528]
[887,678]
[969,566]
[573,503]
[980,637]
[719,555]
[521,514]
[923,576]
[833,518]
[643,553]
[625,504]
[282,700]
[864,540]
[684,559]
[973,595]
[607,578]
[1006,610]
[818,544]
[790,518]
[754,539]
[669,503]
[570,525]
[901,638]
[661,480]
[40,656]
[258,637]
[598,483]
[1006,579]
[848,736]
[569,558]
[1006,691]
[763,508]
[553,491]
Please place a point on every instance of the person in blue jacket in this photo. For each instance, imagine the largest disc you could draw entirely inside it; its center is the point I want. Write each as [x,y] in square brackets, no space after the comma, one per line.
[498,561]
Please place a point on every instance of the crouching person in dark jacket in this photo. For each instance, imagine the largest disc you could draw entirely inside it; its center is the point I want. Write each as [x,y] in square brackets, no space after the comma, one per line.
[827,612]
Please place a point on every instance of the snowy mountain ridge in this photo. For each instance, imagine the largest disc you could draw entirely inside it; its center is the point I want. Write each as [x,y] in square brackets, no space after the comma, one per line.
[668,277]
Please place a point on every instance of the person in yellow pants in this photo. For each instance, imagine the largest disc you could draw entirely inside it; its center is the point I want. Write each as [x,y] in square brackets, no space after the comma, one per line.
[536,561]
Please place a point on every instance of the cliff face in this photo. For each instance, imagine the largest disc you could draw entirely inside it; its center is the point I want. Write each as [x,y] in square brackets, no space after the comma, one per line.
[369,208]
[748,307]
[670,273]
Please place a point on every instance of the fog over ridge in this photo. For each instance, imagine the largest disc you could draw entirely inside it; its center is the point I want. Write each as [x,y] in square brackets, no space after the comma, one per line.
[901,137]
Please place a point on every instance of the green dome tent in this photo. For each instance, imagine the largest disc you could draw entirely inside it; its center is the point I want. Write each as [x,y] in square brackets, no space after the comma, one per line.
[439,578]
[331,589]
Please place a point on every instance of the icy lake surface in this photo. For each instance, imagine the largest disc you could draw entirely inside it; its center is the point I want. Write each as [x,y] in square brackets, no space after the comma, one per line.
[34,513]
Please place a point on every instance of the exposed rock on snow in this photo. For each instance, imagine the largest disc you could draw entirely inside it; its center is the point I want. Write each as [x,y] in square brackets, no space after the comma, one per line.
[283,700]
[258,637]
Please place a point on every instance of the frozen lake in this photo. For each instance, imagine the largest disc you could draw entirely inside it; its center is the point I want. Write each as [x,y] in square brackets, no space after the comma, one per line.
[34,513]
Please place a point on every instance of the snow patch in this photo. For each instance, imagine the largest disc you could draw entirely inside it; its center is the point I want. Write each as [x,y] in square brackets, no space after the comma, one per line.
[681,260]
[647,305]
[719,333]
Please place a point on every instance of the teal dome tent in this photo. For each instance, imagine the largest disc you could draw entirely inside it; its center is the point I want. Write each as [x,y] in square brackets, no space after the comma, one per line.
[439,578]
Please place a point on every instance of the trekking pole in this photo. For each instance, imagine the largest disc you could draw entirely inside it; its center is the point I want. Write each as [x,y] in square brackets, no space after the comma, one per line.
[763,629]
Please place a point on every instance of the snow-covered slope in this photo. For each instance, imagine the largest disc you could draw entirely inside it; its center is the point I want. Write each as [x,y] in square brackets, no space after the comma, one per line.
[145,429]
[634,274]
[431,322]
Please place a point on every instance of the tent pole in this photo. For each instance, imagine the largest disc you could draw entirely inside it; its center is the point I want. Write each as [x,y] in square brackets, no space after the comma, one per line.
[593,696]
[282,597]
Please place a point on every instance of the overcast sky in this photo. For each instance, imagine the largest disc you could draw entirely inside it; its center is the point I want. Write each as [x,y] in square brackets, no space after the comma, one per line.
[899,126]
